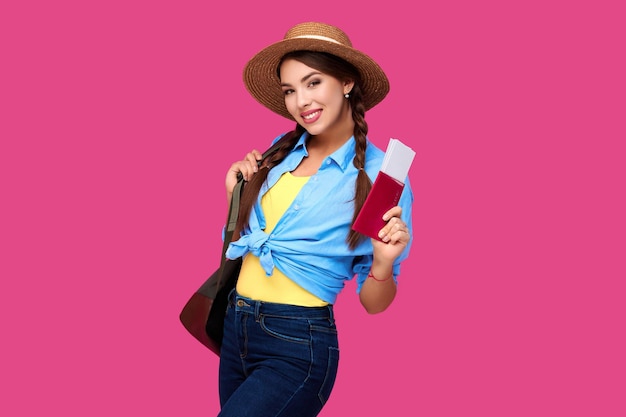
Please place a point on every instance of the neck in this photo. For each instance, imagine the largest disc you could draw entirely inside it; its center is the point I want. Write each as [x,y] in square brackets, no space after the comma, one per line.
[331,140]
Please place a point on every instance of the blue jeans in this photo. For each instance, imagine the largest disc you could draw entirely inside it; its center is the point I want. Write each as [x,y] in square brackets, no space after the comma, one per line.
[276,359]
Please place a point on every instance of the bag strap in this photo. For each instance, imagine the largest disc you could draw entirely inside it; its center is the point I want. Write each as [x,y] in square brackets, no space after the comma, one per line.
[233,212]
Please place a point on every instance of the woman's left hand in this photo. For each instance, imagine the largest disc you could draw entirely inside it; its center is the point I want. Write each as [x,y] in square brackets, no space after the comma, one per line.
[395,236]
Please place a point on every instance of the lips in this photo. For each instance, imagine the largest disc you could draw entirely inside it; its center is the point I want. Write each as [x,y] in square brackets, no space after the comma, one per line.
[311,116]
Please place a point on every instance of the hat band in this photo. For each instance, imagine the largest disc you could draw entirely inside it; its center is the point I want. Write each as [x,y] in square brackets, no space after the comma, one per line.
[318,37]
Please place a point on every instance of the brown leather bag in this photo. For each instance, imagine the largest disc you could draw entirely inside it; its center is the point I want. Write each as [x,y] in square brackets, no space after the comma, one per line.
[203,315]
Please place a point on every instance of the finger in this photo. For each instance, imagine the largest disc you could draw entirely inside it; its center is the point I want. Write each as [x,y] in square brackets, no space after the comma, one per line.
[399,236]
[249,163]
[249,169]
[392,228]
[392,212]
[383,234]
[244,168]
[391,224]
[257,155]
[253,158]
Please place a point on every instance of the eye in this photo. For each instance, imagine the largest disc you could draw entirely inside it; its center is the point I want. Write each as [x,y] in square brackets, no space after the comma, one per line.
[287,92]
[314,83]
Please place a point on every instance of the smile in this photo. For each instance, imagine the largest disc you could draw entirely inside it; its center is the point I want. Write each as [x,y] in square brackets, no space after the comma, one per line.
[312,116]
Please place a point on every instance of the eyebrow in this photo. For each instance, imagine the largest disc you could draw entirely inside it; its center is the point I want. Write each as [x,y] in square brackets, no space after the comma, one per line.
[306,77]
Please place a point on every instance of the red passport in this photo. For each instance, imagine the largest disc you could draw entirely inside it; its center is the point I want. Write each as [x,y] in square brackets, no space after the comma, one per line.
[386,190]
[385,194]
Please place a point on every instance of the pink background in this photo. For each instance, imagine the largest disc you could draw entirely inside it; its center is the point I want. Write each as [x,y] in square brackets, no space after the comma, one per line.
[118,120]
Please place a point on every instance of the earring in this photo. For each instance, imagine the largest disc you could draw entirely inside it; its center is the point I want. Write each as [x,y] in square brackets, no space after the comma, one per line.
[346,95]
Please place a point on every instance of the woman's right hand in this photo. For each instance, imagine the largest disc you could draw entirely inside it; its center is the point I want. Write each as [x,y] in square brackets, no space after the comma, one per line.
[247,167]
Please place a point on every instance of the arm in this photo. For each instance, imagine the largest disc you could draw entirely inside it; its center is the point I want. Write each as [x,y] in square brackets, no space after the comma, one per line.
[379,289]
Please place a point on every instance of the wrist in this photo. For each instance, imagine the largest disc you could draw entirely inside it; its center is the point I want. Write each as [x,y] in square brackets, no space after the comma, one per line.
[380,271]
[380,263]
[382,278]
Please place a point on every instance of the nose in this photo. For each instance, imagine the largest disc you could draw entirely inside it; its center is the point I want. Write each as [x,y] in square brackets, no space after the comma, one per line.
[304,100]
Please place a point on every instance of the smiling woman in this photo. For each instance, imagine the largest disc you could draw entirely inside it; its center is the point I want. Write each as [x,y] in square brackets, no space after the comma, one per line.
[280,352]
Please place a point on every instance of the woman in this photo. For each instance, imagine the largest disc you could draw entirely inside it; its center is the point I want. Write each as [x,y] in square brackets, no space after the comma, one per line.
[279,356]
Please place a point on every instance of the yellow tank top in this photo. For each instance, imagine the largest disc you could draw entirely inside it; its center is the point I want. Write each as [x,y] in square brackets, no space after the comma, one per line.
[277,288]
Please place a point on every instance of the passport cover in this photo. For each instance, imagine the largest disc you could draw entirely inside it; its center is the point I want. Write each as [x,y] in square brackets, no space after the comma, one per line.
[385,194]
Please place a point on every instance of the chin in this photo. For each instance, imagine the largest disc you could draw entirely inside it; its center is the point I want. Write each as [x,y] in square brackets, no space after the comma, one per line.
[314,130]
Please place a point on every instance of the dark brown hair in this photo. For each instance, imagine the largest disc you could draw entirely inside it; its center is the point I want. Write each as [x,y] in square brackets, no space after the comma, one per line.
[344,71]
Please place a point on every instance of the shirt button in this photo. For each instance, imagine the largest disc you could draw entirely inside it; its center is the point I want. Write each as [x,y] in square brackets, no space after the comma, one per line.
[240,303]
[296,207]
[328,162]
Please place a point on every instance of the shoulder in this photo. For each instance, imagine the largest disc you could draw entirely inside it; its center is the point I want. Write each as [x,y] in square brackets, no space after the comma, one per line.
[373,150]
[277,138]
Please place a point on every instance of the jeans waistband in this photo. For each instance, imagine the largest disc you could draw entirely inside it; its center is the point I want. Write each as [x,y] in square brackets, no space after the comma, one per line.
[256,307]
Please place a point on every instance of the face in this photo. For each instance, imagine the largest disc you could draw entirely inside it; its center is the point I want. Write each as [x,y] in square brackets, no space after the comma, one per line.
[316,100]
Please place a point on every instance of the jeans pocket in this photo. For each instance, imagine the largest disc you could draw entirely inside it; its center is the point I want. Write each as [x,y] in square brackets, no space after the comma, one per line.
[287,329]
[331,374]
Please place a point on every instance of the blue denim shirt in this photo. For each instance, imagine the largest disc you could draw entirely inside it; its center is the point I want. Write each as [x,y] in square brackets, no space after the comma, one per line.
[308,244]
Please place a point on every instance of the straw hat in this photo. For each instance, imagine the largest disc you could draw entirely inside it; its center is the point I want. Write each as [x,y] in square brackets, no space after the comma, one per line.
[260,73]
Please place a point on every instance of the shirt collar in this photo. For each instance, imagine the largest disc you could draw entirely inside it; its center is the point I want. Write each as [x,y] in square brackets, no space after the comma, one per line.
[342,157]
[302,143]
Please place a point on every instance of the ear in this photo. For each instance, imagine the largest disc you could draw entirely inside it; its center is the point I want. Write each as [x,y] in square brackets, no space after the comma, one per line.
[348,86]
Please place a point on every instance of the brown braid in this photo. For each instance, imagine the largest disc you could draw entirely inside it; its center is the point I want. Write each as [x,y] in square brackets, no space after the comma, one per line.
[363,184]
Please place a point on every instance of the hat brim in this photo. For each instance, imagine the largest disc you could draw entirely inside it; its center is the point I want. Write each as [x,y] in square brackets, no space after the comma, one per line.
[262,82]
